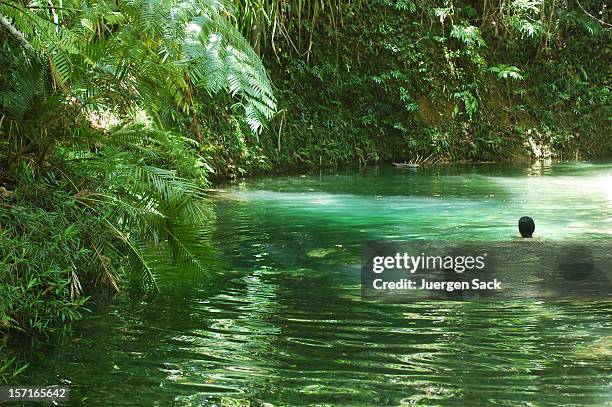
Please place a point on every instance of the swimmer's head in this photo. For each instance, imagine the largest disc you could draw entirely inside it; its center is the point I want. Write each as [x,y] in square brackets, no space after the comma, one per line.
[526,226]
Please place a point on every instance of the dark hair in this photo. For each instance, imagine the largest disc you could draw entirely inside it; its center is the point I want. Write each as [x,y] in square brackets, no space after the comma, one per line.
[526,226]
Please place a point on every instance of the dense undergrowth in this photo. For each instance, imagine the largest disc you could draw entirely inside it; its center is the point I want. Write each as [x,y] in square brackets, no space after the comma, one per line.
[115,116]
[389,80]
[103,164]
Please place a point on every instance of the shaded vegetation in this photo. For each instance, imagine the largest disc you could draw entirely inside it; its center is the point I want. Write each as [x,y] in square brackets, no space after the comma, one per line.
[392,79]
[102,170]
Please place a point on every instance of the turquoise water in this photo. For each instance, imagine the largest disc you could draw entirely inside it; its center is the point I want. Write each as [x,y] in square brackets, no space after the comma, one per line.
[284,323]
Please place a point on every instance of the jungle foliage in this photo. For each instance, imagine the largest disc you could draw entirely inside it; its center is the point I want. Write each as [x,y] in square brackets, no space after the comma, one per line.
[465,80]
[102,164]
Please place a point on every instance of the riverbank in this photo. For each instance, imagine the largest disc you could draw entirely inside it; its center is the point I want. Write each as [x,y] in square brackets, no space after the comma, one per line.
[393,82]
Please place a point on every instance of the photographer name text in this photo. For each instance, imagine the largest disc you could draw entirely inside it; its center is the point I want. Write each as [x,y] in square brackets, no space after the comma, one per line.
[423,284]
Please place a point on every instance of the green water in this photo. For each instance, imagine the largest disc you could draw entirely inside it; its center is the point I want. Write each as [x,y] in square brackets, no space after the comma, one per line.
[285,323]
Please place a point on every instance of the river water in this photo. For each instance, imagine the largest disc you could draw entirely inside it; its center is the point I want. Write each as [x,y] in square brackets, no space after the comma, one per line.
[284,323]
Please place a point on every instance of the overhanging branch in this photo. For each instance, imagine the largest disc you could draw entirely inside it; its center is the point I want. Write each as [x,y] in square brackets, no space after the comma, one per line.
[592,16]
[18,35]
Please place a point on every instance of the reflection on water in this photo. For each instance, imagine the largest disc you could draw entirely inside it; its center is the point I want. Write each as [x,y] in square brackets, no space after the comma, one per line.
[285,323]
